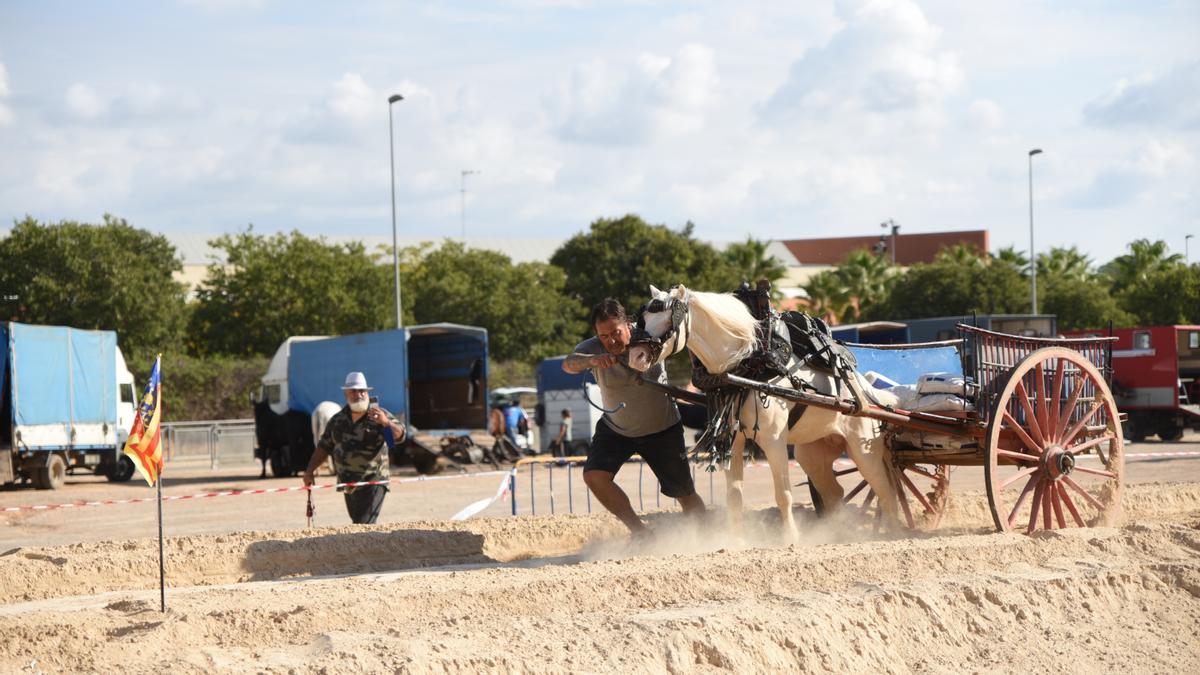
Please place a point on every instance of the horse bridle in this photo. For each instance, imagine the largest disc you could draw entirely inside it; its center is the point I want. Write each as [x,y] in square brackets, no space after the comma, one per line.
[677,331]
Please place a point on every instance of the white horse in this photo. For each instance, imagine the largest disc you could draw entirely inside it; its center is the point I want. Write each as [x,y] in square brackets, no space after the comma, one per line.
[320,417]
[720,331]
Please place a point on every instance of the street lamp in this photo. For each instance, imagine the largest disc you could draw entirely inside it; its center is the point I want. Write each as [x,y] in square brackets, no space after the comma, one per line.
[463,192]
[1186,259]
[895,232]
[395,245]
[1032,255]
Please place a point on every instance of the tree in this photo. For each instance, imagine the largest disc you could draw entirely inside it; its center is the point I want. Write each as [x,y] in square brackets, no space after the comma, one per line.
[1065,263]
[1081,303]
[750,260]
[523,306]
[273,287]
[953,284]
[827,295]
[1167,295]
[865,279]
[1014,258]
[621,258]
[1143,259]
[111,276]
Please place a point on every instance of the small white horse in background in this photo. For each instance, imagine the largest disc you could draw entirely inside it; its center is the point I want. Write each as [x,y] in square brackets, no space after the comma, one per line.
[721,332]
[320,417]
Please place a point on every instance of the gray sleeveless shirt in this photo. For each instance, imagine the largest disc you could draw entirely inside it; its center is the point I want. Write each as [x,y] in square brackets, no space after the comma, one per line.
[647,410]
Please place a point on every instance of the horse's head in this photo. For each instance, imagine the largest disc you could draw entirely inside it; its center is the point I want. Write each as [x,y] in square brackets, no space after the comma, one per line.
[662,324]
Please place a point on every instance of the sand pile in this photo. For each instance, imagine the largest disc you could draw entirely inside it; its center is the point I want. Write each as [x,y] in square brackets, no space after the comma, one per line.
[567,593]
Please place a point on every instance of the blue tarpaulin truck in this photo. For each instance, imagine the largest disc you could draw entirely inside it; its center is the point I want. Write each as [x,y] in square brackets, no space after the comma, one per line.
[66,403]
[432,376]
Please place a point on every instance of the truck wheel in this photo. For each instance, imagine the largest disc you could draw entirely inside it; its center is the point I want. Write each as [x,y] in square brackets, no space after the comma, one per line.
[280,466]
[53,475]
[122,470]
[1170,432]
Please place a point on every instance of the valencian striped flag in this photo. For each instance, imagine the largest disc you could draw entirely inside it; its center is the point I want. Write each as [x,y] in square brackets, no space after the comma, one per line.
[143,446]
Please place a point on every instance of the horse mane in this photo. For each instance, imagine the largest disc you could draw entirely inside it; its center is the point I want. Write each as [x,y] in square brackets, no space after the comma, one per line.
[723,332]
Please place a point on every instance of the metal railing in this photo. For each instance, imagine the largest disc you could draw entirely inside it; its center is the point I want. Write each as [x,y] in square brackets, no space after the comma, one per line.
[211,441]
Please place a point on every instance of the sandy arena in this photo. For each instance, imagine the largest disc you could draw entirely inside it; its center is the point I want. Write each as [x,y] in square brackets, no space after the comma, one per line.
[251,590]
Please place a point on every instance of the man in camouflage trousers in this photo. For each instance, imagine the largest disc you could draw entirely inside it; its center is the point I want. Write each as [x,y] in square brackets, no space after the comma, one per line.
[354,437]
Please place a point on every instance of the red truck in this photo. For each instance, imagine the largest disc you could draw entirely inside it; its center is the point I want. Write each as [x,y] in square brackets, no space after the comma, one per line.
[1156,378]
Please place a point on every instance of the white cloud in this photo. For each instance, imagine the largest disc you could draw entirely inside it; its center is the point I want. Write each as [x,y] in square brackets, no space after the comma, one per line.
[6,114]
[1122,182]
[985,115]
[653,96]
[1172,98]
[84,102]
[885,60]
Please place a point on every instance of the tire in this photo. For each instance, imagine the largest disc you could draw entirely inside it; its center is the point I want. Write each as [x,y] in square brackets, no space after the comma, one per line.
[281,467]
[122,470]
[1170,432]
[53,475]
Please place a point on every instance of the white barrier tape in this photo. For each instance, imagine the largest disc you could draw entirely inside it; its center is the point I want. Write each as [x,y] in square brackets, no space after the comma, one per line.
[238,493]
[482,504]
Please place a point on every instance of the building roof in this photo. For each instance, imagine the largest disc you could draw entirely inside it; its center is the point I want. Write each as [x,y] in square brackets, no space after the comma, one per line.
[910,248]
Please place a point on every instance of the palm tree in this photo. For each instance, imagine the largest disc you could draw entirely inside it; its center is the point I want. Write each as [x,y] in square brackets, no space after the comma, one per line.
[1016,259]
[827,297]
[865,279]
[961,254]
[1065,263]
[751,261]
[1143,258]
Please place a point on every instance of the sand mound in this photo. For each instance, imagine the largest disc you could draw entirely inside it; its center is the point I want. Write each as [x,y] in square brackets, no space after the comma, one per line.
[568,593]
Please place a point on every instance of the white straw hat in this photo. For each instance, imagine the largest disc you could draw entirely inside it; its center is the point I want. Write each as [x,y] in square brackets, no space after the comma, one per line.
[356,380]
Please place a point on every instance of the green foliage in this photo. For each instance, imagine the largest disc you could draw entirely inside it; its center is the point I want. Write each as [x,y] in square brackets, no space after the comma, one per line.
[110,276]
[1144,258]
[277,286]
[846,292]
[750,261]
[1079,303]
[1014,258]
[1065,263]
[957,282]
[515,373]
[203,387]
[621,258]
[1166,295]
[523,307]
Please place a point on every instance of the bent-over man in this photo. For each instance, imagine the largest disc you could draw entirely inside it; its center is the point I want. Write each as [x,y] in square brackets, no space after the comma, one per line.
[355,438]
[647,424]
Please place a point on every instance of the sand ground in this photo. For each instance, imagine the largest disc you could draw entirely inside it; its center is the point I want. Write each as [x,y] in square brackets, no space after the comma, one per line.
[252,590]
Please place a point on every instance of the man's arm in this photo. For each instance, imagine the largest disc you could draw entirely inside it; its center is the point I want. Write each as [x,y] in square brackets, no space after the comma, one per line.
[577,363]
[318,456]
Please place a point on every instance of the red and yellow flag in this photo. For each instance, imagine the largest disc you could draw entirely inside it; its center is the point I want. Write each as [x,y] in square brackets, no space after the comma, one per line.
[143,445]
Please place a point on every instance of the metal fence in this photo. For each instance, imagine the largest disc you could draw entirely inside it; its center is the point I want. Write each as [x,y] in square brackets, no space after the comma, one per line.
[211,442]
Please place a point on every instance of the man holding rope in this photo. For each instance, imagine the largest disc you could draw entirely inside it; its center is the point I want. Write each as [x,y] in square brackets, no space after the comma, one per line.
[355,438]
[646,421]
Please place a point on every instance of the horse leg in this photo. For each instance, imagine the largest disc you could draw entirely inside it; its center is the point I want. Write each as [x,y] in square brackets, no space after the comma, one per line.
[816,458]
[775,448]
[733,485]
[868,451]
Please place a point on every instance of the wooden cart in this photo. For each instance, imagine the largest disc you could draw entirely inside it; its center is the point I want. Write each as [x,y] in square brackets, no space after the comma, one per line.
[1045,429]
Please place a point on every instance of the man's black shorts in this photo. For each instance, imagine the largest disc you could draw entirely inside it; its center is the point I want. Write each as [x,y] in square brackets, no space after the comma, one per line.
[664,452]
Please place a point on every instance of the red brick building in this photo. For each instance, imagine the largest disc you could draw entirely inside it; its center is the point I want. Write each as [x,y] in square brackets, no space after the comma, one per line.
[910,248]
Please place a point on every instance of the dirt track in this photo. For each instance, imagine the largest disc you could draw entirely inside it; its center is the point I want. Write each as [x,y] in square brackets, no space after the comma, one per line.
[568,593]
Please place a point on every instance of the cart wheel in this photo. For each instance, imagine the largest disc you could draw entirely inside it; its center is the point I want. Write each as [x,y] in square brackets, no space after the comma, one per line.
[923,491]
[1055,452]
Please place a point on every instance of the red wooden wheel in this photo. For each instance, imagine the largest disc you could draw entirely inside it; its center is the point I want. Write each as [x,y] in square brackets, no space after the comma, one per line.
[1055,453]
[923,491]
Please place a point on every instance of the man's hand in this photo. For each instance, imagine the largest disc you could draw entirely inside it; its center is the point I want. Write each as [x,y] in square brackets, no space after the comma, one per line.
[379,417]
[308,477]
[603,361]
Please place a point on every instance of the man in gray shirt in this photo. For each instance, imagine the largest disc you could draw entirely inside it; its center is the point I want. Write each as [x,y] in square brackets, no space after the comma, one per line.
[647,424]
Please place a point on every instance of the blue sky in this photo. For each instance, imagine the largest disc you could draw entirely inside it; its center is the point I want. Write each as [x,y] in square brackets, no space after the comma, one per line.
[777,120]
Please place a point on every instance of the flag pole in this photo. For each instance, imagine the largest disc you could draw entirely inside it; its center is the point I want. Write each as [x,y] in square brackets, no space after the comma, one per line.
[162,572]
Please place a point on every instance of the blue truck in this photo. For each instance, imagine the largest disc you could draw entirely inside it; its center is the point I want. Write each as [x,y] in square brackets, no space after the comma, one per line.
[66,404]
[433,376]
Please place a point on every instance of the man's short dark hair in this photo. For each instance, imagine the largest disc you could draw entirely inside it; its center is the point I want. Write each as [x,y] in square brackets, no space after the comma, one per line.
[606,309]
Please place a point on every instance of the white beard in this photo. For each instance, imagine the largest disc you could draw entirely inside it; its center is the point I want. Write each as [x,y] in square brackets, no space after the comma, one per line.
[360,406]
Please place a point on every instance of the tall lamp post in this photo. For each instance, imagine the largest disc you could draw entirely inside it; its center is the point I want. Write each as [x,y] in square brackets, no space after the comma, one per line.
[395,244]
[892,242]
[1032,254]
[463,193]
